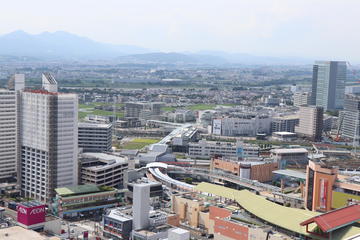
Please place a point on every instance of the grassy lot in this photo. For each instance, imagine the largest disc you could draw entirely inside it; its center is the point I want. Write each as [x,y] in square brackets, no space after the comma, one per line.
[198,107]
[139,143]
[168,109]
[85,109]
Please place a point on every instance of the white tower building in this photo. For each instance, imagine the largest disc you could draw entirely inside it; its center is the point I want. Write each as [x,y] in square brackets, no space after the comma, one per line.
[48,140]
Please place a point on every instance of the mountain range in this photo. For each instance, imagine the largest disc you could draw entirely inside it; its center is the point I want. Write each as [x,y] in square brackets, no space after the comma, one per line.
[64,45]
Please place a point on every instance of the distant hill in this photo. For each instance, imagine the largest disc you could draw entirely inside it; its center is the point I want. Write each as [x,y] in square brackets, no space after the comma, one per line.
[172,58]
[60,45]
[243,58]
[22,46]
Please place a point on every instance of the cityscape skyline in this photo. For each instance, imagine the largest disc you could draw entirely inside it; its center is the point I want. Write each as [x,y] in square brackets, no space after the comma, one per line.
[179,120]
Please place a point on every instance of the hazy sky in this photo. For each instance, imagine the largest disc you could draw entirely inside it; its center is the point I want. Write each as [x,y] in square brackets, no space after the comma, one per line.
[306,28]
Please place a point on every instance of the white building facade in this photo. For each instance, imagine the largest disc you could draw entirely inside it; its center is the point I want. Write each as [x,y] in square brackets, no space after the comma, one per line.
[49,142]
[8,135]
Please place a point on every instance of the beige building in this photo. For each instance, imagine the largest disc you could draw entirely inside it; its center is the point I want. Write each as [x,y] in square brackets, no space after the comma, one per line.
[311,122]
[191,210]
[302,98]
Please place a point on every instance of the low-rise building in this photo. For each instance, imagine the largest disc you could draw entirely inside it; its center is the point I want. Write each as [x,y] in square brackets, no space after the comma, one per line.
[284,123]
[284,136]
[208,149]
[85,200]
[254,170]
[302,98]
[95,137]
[116,224]
[244,125]
[102,169]
[290,156]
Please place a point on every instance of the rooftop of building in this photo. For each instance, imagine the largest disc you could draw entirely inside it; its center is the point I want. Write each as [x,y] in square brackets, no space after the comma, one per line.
[287,117]
[291,173]
[106,159]
[285,133]
[94,125]
[77,190]
[119,214]
[17,232]
[31,204]
[289,150]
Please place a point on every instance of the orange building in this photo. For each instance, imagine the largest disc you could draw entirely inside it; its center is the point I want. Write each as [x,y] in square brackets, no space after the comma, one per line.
[319,187]
[254,170]
[223,228]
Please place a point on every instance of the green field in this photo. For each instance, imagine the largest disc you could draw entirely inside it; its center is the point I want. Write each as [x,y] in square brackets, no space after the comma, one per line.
[85,109]
[139,143]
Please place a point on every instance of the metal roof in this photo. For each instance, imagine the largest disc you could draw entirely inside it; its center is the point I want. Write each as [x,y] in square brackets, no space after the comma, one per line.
[336,219]
[284,217]
[291,173]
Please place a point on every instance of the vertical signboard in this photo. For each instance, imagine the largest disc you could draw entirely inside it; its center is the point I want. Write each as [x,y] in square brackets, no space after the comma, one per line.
[216,127]
[323,193]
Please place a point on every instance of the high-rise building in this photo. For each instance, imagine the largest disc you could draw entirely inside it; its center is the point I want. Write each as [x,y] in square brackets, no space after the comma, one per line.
[48,140]
[328,84]
[351,119]
[16,82]
[311,122]
[8,134]
[141,205]
[314,84]
[9,127]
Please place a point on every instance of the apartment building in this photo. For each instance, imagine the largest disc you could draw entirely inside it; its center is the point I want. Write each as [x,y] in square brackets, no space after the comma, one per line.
[311,122]
[284,123]
[95,137]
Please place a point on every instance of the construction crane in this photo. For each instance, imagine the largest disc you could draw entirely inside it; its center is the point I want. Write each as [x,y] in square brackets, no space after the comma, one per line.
[341,118]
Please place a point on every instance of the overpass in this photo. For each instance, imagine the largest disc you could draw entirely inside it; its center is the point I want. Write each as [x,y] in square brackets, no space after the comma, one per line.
[156,170]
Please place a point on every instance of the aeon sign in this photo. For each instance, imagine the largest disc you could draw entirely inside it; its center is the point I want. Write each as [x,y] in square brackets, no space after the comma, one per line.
[30,214]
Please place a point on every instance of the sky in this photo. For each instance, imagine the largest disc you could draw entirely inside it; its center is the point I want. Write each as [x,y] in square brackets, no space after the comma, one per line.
[320,29]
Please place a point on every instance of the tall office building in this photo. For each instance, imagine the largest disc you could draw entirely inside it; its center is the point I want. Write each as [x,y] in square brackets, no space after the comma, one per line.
[141,205]
[48,140]
[351,119]
[9,128]
[16,82]
[328,84]
[310,122]
[8,134]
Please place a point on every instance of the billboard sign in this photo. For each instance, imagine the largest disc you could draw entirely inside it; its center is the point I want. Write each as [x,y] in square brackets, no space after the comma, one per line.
[30,214]
[323,193]
[216,127]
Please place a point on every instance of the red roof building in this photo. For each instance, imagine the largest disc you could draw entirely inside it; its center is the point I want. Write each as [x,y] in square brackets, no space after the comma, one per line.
[334,220]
